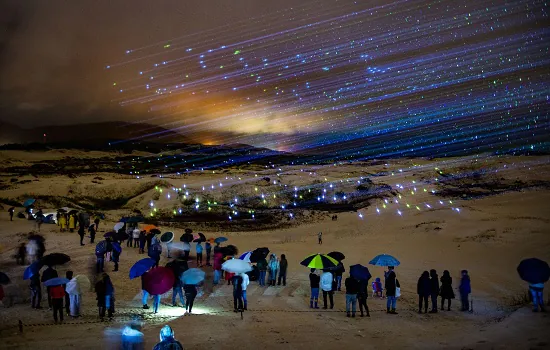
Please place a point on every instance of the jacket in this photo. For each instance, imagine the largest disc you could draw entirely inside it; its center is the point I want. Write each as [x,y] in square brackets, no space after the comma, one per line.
[391,284]
[326,281]
[273,265]
[115,256]
[262,265]
[283,265]
[447,287]
[186,247]
[199,248]
[217,263]
[314,280]
[57,292]
[352,286]
[35,281]
[168,344]
[246,281]
[237,284]
[190,289]
[434,283]
[423,287]
[465,287]
[48,274]
[208,247]
[339,269]
[135,234]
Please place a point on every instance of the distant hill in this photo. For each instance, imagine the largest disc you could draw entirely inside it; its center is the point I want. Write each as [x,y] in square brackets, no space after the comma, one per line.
[89,133]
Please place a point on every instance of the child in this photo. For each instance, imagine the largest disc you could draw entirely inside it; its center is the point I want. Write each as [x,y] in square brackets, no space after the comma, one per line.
[465,289]
[377,287]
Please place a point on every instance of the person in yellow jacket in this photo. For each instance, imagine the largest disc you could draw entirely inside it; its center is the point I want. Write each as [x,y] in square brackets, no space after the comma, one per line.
[63,222]
[72,223]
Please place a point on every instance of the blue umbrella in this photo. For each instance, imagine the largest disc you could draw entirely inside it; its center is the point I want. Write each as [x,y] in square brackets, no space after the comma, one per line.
[29,202]
[220,240]
[384,260]
[32,269]
[117,247]
[359,272]
[193,276]
[140,267]
[57,281]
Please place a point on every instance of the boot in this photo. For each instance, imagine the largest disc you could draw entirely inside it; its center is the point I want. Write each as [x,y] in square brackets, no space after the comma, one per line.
[420,311]
[353,314]
[311,304]
[347,314]
[433,311]
[388,310]
[145,306]
[393,312]
[316,306]
[442,307]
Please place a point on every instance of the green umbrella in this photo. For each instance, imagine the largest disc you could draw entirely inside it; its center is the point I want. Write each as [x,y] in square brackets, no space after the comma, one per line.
[319,261]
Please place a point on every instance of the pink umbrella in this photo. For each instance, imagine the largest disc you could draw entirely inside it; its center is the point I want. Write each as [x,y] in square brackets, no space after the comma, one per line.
[158,280]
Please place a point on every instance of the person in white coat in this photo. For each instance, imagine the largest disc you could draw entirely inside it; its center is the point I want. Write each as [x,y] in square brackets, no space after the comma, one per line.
[32,251]
[73,289]
[246,282]
[326,286]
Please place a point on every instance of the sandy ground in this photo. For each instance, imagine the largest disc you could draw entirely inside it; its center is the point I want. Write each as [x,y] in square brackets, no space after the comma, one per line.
[487,236]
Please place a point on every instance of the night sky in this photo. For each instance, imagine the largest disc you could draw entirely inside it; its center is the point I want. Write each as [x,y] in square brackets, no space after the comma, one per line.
[392,77]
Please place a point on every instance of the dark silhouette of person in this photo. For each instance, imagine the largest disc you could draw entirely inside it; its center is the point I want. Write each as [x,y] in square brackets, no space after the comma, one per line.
[424,290]
[446,292]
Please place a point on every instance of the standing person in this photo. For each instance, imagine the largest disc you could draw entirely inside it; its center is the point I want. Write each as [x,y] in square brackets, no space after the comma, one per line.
[135,236]
[391,286]
[81,233]
[20,256]
[237,293]
[362,296]
[36,291]
[338,272]
[326,286]
[244,285]
[100,260]
[262,268]
[149,239]
[39,219]
[154,253]
[32,250]
[424,290]
[62,222]
[96,222]
[352,288]
[142,240]
[320,237]
[57,294]
[109,300]
[434,285]
[167,340]
[186,250]
[92,231]
[273,268]
[465,289]
[536,290]
[283,265]
[177,289]
[156,303]
[116,258]
[190,294]
[199,254]
[69,276]
[446,290]
[11,211]
[218,258]
[72,222]
[314,280]
[73,290]
[47,275]
[208,248]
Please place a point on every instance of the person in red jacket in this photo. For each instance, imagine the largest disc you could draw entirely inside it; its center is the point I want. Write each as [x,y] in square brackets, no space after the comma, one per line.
[58,294]
[218,260]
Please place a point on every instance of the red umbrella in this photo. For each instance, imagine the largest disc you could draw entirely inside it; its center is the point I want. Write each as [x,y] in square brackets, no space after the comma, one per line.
[158,280]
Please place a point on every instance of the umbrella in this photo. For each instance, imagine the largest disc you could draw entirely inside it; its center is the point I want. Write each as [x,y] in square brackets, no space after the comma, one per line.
[73,211]
[236,266]
[186,237]
[117,247]
[202,237]
[319,261]
[29,202]
[38,238]
[55,259]
[83,282]
[220,239]
[246,256]
[57,281]
[109,234]
[337,256]
[193,276]
[178,267]
[259,254]
[155,231]
[62,210]
[120,236]
[4,279]
[167,237]
[31,270]
[384,260]
[188,230]
[101,247]
[140,267]
[359,272]
[230,250]
[534,270]
[118,226]
[158,280]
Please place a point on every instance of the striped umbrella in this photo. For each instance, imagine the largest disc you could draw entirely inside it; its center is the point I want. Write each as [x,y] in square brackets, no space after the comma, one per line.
[319,261]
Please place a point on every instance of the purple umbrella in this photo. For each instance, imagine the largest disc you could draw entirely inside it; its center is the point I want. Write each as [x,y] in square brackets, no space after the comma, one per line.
[158,280]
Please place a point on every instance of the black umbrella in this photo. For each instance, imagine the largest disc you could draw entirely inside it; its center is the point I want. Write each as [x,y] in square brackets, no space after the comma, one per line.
[55,259]
[4,279]
[186,237]
[120,236]
[37,238]
[259,254]
[74,211]
[155,231]
[534,270]
[61,210]
[188,230]
[229,250]
[337,256]
[202,237]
